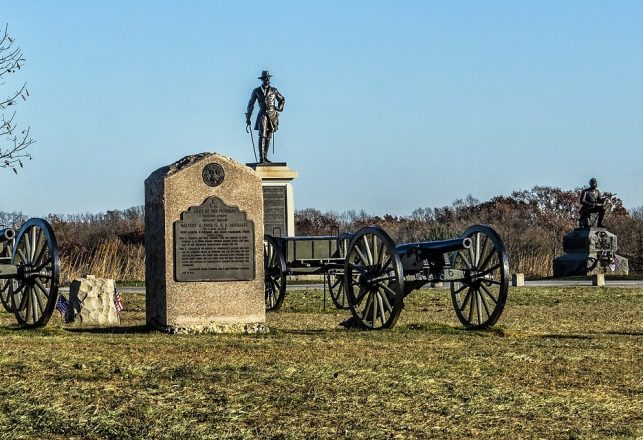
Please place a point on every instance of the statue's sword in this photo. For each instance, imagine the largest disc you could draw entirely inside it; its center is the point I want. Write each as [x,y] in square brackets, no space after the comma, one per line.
[252,138]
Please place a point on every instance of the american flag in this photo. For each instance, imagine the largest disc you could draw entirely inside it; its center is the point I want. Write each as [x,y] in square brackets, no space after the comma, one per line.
[118,302]
[62,305]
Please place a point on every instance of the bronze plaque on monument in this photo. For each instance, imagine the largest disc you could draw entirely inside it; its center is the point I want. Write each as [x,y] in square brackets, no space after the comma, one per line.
[214,242]
[274,210]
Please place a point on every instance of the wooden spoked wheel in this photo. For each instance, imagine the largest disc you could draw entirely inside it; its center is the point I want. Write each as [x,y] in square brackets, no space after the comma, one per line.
[335,277]
[34,290]
[274,265]
[480,298]
[373,279]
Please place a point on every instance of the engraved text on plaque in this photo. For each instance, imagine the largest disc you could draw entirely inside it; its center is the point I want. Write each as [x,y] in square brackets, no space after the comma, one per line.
[214,242]
[274,210]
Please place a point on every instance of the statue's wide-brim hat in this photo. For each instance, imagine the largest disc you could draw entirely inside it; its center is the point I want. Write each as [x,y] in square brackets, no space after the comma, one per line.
[265,74]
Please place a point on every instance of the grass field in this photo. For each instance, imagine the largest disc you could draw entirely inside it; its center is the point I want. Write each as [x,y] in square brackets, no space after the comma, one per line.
[561,363]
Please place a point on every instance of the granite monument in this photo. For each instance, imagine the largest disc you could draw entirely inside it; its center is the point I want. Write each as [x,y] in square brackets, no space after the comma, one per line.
[204,246]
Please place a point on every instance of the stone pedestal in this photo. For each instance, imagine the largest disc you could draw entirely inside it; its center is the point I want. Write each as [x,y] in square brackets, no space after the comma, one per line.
[598,280]
[278,200]
[91,301]
[590,251]
[204,246]
[518,280]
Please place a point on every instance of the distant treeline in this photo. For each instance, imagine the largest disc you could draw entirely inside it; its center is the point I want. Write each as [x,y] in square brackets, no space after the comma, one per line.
[532,224]
[107,245]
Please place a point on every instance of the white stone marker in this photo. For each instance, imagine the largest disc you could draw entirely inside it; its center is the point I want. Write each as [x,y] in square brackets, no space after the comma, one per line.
[92,301]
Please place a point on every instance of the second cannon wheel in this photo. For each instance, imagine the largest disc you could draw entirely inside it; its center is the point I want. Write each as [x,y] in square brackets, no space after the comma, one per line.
[480,298]
[373,279]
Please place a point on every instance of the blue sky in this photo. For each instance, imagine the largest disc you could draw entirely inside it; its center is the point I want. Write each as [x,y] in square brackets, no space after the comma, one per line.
[390,105]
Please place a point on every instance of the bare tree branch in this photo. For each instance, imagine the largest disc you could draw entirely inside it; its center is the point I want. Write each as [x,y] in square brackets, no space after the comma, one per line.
[13,141]
[11,100]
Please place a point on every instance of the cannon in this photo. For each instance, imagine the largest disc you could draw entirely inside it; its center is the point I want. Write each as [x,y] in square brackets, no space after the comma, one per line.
[378,274]
[29,272]
[304,255]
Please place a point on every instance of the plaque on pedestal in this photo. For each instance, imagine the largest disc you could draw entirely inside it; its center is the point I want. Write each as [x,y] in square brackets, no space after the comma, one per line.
[278,200]
[214,242]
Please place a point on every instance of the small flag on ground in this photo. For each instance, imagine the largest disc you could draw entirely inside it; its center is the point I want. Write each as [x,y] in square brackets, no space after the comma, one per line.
[62,305]
[118,302]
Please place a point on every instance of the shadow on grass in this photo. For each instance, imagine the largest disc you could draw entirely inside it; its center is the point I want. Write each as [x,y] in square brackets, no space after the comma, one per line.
[592,335]
[624,333]
[565,336]
[432,328]
[135,329]
[314,331]
[445,329]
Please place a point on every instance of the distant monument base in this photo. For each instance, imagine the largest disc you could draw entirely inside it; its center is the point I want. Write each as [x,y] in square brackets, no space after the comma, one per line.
[278,199]
[590,251]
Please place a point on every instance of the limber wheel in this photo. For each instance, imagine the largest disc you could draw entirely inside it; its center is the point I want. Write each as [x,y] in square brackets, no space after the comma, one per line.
[373,279]
[6,248]
[34,290]
[274,265]
[335,277]
[479,298]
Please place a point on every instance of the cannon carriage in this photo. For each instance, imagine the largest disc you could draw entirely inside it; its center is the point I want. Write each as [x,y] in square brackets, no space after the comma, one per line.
[379,274]
[29,272]
[304,255]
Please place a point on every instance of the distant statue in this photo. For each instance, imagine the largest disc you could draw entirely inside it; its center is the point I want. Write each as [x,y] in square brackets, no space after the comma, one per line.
[268,117]
[591,202]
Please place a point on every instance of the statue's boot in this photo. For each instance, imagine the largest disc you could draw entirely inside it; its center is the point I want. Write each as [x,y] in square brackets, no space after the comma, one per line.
[265,146]
[262,151]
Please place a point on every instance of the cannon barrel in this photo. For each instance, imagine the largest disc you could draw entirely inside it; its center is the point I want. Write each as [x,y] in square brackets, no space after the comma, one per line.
[434,248]
[7,234]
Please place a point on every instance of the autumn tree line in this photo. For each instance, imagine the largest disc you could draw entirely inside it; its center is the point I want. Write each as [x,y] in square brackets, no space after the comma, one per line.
[532,224]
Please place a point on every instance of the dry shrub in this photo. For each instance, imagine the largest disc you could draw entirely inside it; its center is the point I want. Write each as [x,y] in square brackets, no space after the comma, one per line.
[108,259]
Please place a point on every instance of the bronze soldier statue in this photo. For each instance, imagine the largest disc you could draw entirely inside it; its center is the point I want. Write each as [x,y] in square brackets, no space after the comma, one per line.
[268,117]
[591,202]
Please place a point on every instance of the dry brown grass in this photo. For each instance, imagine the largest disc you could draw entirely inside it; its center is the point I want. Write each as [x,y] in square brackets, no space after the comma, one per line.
[562,363]
[116,260]
[109,259]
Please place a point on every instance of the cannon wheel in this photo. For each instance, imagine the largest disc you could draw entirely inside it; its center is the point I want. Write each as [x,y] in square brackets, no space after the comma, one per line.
[274,266]
[373,279]
[5,254]
[479,299]
[34,290]
[335,278]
